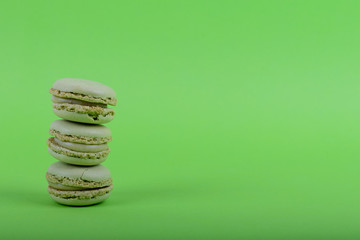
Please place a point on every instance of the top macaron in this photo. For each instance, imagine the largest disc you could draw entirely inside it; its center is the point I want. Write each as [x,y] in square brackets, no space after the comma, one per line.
[81,100]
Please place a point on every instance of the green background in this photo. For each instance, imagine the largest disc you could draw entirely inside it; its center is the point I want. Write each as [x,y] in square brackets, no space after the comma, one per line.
[236,119]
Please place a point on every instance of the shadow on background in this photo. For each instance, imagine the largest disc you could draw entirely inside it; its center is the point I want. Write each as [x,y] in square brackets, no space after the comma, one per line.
[151,194]
[25,197]
[119,196]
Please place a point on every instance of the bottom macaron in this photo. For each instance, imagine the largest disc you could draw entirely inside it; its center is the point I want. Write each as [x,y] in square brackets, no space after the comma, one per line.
[78,185]
[79,197]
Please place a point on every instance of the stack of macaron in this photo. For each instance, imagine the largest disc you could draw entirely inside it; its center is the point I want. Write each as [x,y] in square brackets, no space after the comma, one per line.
[79,142]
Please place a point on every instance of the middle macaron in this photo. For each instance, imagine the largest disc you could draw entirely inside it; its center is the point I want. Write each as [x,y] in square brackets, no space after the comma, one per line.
[79,143]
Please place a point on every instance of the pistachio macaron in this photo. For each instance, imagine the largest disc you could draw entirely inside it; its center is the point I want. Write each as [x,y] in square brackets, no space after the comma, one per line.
[77,143]
[78,185]
[83,100]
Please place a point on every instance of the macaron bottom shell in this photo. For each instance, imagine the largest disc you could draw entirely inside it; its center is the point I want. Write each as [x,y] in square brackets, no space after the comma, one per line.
[80,202]
[75,132]
[75,160]
[83,117]
[80,197]
[71,176]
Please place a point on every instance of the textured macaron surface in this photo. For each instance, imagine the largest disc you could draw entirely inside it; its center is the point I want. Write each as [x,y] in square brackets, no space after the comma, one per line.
[79,176]
[80,194]
[83,114]
[78,147]
[77,185]
[55,99]
[79,198]
[85,90]
[80,133]
[75,157]
[54,145]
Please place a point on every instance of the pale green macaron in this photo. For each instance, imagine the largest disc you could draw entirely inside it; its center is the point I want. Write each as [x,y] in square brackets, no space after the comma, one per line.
[78,185]
[83,101]
[78,143]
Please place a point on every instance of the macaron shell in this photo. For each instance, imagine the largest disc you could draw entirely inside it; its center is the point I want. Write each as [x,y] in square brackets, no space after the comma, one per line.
[84,90]
[92,111]
[55,99]
[79,139]
[97,173]
[82,117]
[80,194]
[79,129]
[80,202]
[80,197]
[83,86]
[75,160]
[89,148]
[67,183]
[53,145]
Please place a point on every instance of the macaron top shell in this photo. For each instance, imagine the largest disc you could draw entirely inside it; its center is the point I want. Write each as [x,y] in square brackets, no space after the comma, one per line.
[86,87]
[98,173]
[79,88]
[80,129]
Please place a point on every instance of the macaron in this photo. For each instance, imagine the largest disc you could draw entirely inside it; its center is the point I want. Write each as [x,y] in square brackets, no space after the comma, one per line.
[78,185]
[81,100]
[77,143]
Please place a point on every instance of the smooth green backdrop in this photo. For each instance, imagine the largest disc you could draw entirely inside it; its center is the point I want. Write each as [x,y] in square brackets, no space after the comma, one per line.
[236,119]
